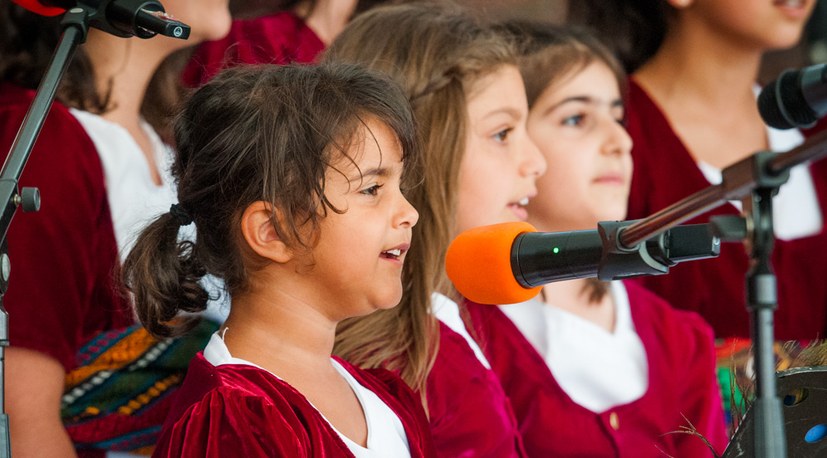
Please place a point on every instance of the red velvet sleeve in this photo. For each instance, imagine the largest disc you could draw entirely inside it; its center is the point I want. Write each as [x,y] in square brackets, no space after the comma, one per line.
[61,290]
[227,422]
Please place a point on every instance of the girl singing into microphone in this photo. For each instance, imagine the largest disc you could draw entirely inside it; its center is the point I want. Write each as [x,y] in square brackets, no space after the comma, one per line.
[593,368]
[293,177]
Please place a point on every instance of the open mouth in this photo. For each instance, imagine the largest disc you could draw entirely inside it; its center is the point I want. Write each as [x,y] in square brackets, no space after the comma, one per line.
[395,253]
[518,208]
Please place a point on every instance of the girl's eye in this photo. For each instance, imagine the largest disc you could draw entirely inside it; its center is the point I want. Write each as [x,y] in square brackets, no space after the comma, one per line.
[372,190]
[502,135]
[574,121]
[619,112]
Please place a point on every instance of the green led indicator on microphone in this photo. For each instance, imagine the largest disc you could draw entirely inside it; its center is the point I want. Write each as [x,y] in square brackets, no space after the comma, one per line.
[555,250]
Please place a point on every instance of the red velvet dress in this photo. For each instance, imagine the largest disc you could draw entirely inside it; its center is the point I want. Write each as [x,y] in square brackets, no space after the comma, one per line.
[61,292]
[665,173]
[244,411]
[470,414]
[281,38]
[681,367]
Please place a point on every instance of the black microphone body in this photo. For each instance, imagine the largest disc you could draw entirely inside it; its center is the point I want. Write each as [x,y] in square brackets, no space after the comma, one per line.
[123,18]
[538,258]
[798,98]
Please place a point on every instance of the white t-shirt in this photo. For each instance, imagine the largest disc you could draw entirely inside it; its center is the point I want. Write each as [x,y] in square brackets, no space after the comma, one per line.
[134,198]
[386,435]
[796,212]
[447,311]
[597,369]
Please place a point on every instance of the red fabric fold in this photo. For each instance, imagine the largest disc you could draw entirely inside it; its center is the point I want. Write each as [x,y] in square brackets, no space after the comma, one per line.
[238,410]
[470,414]
[682,383]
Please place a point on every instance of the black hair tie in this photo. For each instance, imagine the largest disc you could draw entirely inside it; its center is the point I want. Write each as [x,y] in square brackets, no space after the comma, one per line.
[184,218]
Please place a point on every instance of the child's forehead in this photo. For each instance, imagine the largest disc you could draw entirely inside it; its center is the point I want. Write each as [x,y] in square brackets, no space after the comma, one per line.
[372,145]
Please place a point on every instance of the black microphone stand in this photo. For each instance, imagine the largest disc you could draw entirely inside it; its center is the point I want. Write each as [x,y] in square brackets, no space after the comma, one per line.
[754,180]
[123,18]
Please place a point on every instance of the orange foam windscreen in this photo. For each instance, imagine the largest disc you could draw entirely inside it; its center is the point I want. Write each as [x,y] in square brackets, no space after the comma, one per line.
[478,262]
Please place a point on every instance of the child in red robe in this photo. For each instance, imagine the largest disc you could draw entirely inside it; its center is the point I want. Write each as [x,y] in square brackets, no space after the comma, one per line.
[292,176]
[595,369]
[692,112]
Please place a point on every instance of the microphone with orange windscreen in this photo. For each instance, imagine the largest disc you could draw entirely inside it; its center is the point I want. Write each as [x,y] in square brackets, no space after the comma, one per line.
[478,262]
[510,262]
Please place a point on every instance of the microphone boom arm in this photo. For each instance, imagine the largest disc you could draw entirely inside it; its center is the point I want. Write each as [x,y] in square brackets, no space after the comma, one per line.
[754,180]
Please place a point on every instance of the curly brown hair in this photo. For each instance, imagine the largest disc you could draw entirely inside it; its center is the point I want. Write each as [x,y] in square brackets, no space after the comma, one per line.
[254,133]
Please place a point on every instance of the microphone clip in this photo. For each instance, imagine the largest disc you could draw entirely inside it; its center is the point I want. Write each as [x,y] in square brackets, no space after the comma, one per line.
[127,18]
[619,261]
[656,255]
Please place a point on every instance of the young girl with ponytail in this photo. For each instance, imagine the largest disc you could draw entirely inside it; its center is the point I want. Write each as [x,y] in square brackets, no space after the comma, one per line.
[293,177]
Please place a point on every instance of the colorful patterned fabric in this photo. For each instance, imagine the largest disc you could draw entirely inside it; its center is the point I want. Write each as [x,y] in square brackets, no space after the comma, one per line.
[119,395]
[736,374]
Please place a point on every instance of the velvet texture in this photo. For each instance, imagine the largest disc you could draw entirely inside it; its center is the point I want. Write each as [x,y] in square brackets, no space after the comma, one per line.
[281,38]
[62,291]
[239,410]
[665,173]
[682,383]
[470,414]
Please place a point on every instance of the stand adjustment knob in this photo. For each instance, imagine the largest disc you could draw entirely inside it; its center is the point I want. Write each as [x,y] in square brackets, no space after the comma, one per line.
[30,199]
[5,268]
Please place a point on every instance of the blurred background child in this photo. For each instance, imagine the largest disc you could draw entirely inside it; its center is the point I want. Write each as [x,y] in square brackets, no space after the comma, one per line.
[692,111]
[101,169]
[282,32]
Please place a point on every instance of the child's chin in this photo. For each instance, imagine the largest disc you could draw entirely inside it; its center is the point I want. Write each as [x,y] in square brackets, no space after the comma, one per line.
[388,304]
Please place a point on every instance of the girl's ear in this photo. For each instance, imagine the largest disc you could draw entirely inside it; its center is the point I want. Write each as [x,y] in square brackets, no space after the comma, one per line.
[260,235]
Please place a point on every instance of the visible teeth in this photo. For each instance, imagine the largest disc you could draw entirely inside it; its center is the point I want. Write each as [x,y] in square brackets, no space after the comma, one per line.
[523,201]
[395,252]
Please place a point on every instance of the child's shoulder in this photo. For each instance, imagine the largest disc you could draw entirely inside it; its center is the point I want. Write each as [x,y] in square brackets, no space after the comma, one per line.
[236,388]
[247,405]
